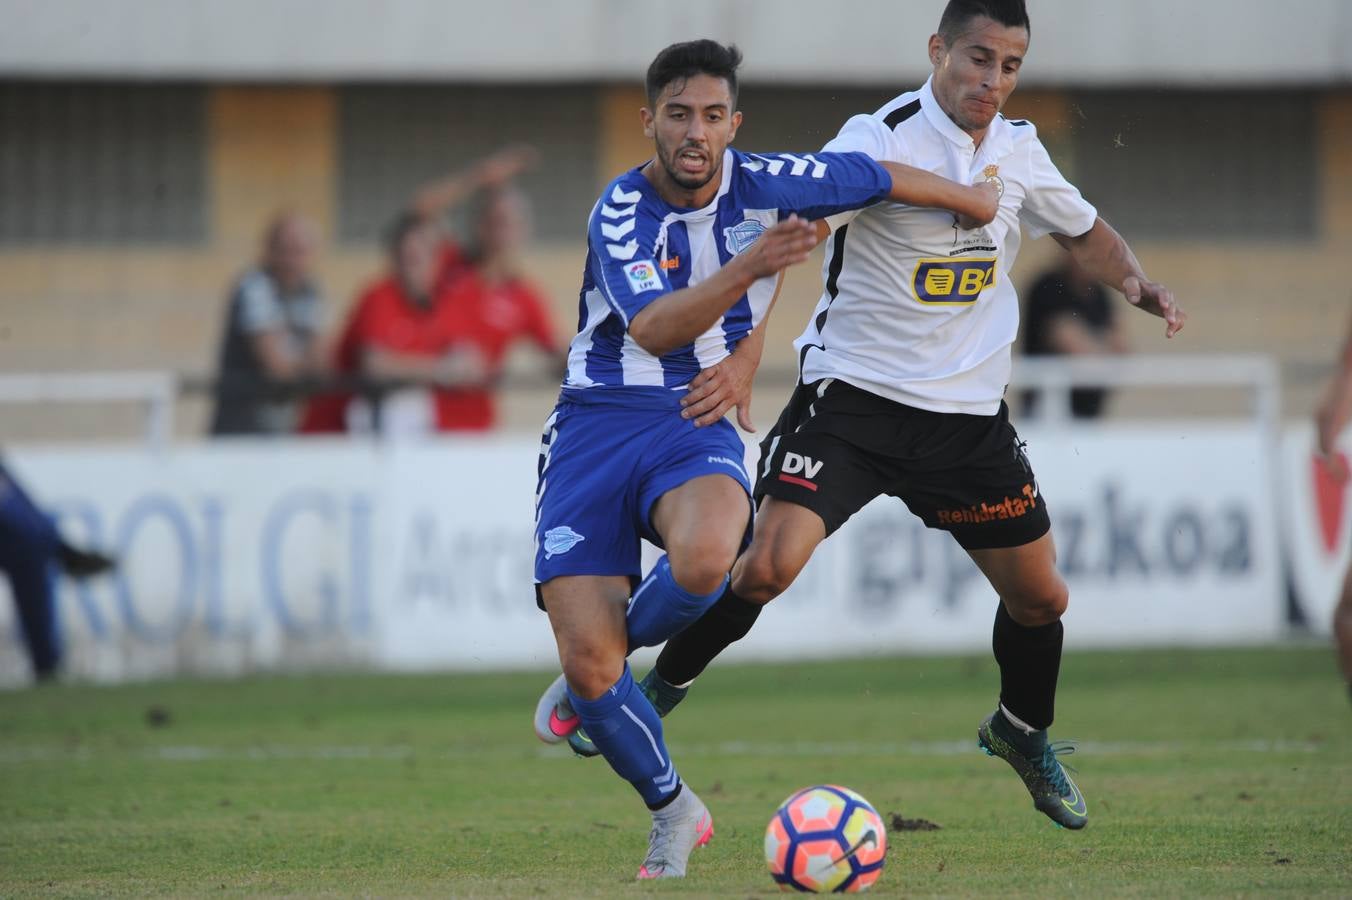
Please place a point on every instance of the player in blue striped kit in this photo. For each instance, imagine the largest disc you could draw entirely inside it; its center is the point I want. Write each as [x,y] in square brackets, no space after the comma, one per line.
[684,255]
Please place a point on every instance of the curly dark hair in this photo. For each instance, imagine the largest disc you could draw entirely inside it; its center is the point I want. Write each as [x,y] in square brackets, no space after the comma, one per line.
[703,57]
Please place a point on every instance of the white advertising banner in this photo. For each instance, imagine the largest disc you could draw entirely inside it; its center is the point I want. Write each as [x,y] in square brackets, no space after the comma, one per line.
[1164,537]
[1316,516]
[239,557]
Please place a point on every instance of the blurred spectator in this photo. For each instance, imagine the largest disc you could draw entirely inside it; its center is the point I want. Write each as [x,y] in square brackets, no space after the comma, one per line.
[31,550]
[1069,313]
[272,334]
[1332,417]
[442,321]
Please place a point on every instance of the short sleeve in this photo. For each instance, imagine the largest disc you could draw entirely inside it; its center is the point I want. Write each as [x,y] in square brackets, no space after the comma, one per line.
[259,307]
[813,185]
[861,134]
[1052,204]
[622,241]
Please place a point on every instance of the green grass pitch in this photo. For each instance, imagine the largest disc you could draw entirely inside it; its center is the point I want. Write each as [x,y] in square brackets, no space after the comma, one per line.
[1219,772]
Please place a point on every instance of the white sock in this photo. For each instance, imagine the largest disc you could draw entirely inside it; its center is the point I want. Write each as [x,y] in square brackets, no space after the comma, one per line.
[1016,721]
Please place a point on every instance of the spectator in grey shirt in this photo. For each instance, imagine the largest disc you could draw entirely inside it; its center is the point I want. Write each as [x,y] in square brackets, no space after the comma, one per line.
[272,334]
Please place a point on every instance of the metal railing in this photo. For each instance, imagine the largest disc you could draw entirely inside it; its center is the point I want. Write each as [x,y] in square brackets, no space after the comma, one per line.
[157,391]
[1052,378]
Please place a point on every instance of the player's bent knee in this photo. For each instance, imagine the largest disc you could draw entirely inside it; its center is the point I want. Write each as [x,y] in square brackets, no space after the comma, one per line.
[591,670]
[1041,607]
[701,569]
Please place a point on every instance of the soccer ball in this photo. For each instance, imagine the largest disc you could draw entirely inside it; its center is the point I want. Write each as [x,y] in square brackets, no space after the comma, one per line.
[825,839]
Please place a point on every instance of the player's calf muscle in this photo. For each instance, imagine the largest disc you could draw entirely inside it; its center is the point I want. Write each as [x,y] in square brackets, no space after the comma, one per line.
[762,575]
[587,616]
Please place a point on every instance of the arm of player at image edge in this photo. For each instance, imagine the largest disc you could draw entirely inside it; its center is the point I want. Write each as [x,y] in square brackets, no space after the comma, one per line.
[1334,412]
[677,318]
[1103,253]
[727,384]
[976,204]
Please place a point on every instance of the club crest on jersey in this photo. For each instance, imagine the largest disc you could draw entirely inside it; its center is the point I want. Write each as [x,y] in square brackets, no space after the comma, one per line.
[559,541]
[742,235]
[992,174]
[642,276]
[952,282]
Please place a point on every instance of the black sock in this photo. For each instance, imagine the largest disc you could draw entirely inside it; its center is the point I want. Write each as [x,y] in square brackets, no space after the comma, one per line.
[667,800]
[724,623]
[1029,660]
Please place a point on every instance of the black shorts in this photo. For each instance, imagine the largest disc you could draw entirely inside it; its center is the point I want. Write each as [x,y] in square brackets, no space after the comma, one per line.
[836,447]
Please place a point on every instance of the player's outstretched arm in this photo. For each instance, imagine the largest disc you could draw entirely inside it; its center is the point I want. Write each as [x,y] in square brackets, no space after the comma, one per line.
[1103,253]
[977,203]
[678,318]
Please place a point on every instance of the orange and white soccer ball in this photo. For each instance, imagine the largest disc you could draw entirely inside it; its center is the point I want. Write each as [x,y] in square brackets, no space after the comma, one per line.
[825,839]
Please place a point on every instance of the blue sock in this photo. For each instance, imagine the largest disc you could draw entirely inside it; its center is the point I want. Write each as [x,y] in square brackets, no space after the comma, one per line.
[625,728]
[662,608]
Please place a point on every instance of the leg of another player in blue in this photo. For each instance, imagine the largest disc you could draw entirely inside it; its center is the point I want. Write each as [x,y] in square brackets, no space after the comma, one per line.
[626,729]
[28,548]
[661,607]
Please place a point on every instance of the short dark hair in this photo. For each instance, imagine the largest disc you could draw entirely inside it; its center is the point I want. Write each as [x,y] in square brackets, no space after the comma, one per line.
[1011,13]
[702,57]
[404,224]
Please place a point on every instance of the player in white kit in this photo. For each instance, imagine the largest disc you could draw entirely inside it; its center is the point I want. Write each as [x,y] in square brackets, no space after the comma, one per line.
[903,369]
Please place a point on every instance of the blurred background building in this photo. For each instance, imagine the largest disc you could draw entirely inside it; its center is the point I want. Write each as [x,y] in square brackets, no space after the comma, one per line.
[144,144]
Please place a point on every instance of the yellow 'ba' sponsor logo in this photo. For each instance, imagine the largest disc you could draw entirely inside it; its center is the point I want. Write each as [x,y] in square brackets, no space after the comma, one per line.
[952,281]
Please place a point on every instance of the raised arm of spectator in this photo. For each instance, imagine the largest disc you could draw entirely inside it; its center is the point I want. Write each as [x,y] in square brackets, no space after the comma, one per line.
[435,198]
[1103,253]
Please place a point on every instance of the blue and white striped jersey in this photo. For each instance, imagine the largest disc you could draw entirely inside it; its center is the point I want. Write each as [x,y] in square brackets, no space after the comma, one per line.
[640,248]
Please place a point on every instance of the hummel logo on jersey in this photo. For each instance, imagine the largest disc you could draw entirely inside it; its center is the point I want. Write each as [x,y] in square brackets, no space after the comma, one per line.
[742,235]
[560,540]
[623,212]
[723,460]
[642,276]
[775,165]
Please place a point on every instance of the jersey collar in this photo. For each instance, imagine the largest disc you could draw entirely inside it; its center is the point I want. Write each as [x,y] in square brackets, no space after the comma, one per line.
[996,142]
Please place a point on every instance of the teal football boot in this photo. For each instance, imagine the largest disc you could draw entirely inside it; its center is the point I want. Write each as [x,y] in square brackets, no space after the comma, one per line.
[1054,794]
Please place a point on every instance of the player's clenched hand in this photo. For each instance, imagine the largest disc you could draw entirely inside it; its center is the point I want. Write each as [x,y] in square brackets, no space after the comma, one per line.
[787,243]
[718,389]
[1157,300]
[985,203]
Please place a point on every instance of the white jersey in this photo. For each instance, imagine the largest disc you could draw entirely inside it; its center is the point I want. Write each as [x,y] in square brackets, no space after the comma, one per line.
[915,309]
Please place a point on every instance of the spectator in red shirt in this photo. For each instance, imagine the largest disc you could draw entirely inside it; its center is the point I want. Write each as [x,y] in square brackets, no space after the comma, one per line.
[443,321]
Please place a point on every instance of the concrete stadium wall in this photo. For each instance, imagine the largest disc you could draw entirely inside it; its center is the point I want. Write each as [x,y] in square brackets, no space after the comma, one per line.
[272,147]
[1211,42]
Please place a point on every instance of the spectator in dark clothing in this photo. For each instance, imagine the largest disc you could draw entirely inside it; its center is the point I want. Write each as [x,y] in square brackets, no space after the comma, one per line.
[272,335]
[1068,313]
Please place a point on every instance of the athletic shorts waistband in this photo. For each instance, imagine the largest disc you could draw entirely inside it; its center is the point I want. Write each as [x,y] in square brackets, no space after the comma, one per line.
[626,397]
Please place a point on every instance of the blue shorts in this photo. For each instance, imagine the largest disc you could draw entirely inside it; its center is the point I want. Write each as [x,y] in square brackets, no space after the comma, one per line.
[607,454]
